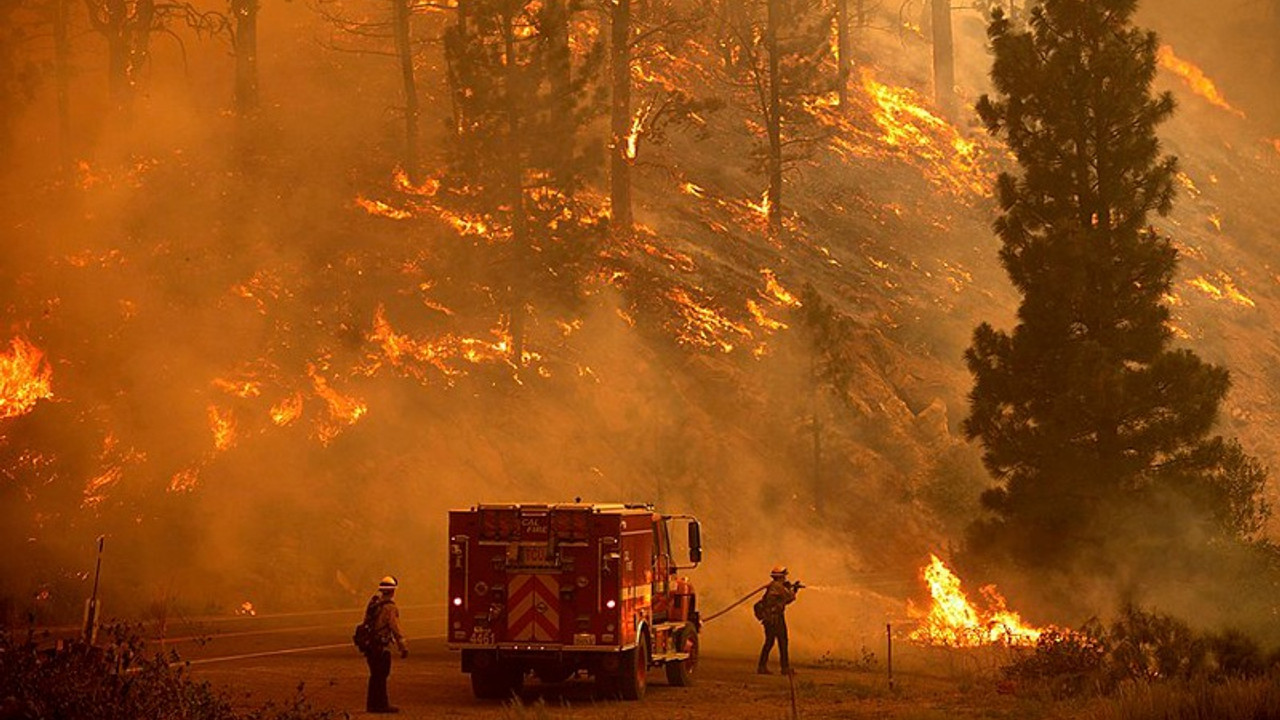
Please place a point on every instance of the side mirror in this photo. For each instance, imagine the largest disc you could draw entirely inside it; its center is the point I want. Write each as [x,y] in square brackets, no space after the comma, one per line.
[695,542]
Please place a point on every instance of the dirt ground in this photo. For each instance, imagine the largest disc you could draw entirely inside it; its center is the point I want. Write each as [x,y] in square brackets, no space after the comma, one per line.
[927,685]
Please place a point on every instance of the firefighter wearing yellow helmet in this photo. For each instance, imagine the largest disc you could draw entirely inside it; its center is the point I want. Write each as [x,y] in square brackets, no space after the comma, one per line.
[777,596]
[384,617]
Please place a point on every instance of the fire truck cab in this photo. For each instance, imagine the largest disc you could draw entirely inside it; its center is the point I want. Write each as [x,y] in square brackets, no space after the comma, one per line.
[555,590]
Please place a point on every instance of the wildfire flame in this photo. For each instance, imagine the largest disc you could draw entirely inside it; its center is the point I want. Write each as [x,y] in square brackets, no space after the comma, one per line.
[343,410]
[633,137]
[1195,79]
[412,356]
[25,379]
[427,189]
[953,621]
[287,410]
[908,130]
[381,209]
[776,291]
[1222,287]
[222,423]
[761,207]
[704,326]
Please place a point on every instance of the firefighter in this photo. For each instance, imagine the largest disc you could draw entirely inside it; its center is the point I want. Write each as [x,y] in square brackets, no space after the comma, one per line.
[777,596]
[386,632]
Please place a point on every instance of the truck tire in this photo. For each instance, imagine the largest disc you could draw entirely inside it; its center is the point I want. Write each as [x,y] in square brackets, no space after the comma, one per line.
[633,675]
[680,672]
[497,682]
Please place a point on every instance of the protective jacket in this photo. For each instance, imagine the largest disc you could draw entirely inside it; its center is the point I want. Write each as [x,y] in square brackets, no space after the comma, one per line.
[386,624]
[776,599]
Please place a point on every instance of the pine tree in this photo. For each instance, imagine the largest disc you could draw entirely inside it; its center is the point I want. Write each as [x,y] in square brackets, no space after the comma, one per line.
[515,156]
[1095,428]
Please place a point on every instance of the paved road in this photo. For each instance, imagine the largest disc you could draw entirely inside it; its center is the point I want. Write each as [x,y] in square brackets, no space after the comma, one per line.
[267,658]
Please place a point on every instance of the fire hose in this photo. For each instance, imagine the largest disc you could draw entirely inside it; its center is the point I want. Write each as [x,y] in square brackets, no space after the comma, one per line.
[741,600]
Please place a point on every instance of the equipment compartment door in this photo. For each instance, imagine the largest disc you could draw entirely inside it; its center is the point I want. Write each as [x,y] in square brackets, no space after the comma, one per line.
[535,608]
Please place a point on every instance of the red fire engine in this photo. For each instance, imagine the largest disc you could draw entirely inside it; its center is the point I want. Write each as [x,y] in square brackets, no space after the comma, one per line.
[559,589]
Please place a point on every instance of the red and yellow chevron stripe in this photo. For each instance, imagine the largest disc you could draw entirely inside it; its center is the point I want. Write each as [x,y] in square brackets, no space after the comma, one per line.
[534,613]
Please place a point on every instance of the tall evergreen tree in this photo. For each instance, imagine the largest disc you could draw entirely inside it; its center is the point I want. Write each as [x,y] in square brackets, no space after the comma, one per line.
[515,157]
[1095,428]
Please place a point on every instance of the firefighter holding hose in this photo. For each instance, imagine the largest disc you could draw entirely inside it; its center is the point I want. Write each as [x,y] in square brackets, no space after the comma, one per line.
[772,611]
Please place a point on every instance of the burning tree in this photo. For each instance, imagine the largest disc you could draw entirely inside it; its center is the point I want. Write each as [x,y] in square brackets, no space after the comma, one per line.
[514,159]
[775,51]
[1096,429]
[128,27]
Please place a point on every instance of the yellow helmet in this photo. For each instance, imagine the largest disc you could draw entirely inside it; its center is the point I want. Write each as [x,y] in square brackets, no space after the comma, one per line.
[388,583]
[779,571]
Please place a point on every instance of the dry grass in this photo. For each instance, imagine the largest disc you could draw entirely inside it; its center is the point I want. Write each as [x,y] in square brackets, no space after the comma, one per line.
[1254,699]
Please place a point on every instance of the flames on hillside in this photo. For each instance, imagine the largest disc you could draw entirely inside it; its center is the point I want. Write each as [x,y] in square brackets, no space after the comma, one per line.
[25,378]
[1195,78]
[319,399]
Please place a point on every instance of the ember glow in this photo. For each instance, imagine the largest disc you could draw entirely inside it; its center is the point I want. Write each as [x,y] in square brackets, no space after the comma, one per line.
[1195,79]
[25,378]
[953,621]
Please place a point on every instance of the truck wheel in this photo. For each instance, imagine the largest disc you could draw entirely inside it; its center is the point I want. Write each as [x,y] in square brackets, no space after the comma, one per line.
[496,683]
[680,672]
[633,679]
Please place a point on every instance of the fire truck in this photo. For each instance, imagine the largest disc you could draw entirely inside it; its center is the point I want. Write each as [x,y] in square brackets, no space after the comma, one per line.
[558,590]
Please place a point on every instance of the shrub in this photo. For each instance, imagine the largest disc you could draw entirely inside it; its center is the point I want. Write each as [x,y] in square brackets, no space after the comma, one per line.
[116,681]
[1139,648]
[1070,663]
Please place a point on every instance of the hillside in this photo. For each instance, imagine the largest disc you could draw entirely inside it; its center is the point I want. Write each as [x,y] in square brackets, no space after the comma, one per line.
[270,377]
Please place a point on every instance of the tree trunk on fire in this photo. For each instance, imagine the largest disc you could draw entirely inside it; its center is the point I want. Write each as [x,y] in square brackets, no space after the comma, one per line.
[128,36]
[245,44]
[114,27]
[401,16]
[620,117]
[774,120]
[944,68]
[844,46]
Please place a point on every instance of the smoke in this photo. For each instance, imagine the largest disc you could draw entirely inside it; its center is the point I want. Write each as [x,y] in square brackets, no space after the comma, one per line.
[197,262]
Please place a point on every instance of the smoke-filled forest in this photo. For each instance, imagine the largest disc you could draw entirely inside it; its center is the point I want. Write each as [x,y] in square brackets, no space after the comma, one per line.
[286,281]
